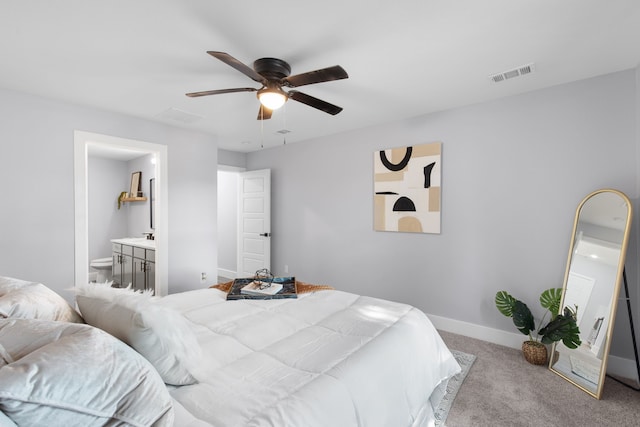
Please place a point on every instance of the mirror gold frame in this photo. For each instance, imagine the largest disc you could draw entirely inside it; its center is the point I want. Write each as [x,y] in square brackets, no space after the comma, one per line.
[592,281]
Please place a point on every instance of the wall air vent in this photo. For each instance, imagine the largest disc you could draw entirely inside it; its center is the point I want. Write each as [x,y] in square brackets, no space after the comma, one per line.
[516,72]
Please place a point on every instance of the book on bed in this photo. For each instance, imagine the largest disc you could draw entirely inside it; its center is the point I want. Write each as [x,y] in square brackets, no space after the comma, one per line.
[249,288]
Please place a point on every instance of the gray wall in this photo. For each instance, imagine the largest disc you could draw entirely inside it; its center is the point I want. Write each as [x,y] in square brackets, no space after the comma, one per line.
[232,158]
[514,171]
[37,185]
[106,178]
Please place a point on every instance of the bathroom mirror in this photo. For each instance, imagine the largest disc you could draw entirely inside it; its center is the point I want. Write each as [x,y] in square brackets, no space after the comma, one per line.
[592,282]
[152,202]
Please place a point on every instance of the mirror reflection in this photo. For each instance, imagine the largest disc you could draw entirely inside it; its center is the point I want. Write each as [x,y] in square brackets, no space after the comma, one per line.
[152,203]
[591,286]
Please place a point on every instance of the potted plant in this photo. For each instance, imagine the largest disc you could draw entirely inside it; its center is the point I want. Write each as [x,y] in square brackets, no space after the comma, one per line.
[560,327]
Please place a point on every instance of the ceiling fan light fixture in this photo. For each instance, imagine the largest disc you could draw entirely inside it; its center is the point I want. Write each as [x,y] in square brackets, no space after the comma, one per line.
[272,98]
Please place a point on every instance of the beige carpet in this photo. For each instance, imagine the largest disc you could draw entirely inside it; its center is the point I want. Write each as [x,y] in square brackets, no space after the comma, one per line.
[502,389]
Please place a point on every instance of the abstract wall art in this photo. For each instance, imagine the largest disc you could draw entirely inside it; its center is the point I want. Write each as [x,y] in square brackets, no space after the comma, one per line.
[407,188]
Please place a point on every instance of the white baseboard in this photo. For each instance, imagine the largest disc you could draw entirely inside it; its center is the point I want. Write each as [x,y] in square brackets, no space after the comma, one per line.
[496,336]
[227,273]
[616,365]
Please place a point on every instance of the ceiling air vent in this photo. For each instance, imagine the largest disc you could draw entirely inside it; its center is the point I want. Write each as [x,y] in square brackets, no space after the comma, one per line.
[178,115]
[509,74]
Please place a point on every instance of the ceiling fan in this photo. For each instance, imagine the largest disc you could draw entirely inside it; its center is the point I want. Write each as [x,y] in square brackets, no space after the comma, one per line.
[273,74]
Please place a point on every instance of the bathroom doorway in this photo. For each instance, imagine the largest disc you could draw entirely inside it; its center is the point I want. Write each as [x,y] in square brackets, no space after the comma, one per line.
[86,144]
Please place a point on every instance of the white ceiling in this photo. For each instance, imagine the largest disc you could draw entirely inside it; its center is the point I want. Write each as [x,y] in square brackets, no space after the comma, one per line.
[404,58]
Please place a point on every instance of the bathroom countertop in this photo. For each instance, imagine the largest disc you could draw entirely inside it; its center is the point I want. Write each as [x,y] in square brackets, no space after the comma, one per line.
[140,242]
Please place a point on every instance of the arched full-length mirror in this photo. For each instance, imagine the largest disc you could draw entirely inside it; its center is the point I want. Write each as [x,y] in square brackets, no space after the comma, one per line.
[592,282]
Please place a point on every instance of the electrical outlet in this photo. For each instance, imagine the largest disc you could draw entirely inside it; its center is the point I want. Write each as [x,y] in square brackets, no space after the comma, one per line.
[286,269]
[203,277]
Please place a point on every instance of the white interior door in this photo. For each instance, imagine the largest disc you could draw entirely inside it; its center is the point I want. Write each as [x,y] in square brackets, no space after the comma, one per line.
[254,222]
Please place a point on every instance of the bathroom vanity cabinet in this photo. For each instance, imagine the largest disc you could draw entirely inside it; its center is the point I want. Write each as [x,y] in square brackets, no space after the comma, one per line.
[122,265]
[134,263]
[144,268]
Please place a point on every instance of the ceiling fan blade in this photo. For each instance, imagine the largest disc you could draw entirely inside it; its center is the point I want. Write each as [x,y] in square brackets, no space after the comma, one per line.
[220,91]
[315,102]
[318,76]
[264,113]
[233,62]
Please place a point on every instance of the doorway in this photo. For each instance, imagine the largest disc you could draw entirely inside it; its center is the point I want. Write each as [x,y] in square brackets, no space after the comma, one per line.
[228,221]
[244,221]
[86,142]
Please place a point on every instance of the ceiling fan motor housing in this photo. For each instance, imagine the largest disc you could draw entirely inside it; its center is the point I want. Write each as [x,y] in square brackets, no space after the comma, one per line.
[272,68]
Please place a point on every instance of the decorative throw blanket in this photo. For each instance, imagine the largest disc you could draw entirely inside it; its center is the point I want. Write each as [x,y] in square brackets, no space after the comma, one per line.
[301,287]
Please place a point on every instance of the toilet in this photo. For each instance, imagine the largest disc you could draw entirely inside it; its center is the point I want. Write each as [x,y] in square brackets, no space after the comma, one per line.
[103,265]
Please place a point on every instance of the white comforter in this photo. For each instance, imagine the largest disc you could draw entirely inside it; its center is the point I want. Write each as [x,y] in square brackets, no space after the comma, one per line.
[328,358]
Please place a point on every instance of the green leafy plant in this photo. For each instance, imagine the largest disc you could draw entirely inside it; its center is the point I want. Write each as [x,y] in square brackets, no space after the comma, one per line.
[121,197]
[561,327]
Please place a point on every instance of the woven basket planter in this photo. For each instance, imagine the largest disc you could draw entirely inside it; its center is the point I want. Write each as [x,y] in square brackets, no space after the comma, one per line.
[534,352]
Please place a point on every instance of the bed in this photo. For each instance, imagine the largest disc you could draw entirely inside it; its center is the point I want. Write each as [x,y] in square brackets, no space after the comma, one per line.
[326,358]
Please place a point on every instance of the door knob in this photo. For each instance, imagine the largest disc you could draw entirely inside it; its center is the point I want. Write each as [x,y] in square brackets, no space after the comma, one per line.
[265,234]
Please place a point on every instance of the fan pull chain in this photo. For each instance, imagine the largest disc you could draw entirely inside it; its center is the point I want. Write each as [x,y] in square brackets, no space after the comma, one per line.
[284,124]
[261,127]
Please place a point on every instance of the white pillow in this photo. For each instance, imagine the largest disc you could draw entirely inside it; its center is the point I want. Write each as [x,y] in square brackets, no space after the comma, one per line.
[5,421]
[9,283]
[30,300]
[72,374]
[162,335]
